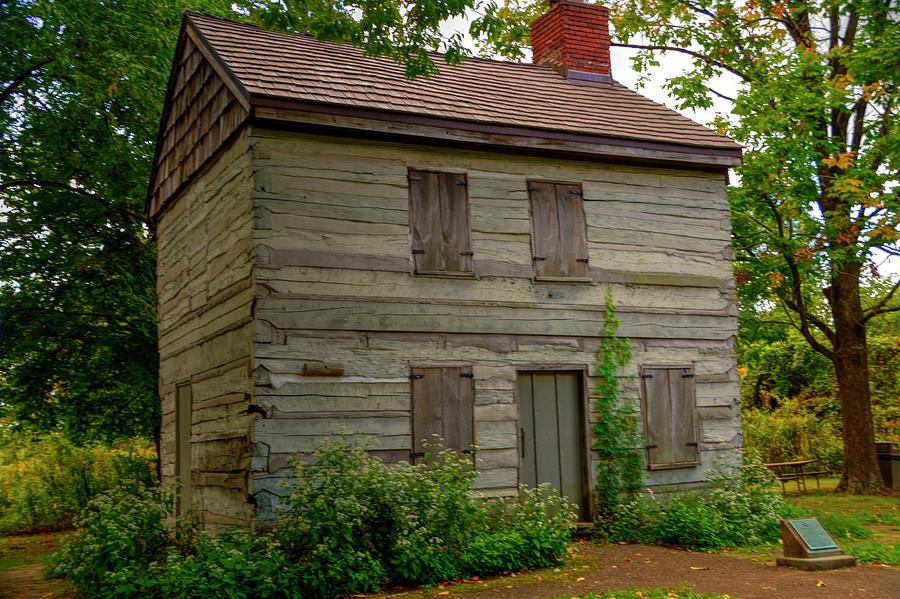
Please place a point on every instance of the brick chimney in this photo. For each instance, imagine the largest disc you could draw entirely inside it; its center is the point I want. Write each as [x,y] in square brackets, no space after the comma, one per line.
[573,38]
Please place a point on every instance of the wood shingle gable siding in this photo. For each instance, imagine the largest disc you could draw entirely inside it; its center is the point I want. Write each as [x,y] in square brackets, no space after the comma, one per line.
[204,107]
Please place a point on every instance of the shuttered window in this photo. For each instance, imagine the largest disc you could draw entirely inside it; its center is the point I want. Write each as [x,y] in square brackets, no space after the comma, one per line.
[558,231]
[439,219]
[442,404]
[670,417]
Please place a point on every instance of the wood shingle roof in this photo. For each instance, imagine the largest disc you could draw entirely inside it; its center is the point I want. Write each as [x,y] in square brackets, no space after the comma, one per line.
[298,67]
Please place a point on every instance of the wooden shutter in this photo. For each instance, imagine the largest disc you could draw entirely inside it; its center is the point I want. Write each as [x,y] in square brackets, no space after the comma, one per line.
[670,417]
[558,230]
[439,220]
[443,405]
[183,413]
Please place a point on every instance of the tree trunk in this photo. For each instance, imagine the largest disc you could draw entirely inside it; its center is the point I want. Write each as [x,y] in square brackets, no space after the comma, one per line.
[861,474]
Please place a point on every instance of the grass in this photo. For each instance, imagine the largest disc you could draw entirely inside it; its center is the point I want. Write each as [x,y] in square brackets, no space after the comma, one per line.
[866,527]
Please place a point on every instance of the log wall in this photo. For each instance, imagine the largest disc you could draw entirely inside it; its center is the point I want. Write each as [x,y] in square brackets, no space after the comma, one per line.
[336,294]
[205,289]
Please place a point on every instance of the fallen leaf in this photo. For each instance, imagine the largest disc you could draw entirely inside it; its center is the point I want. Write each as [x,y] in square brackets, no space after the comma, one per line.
[579,579]
[768,588]
[699,568]
[444,593]
[820,583]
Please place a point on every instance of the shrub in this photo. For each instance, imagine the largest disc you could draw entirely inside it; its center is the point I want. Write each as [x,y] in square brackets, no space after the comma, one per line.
[45,482]
[741,509]
[791,432]
[352,522]
[351,526]
[532,531]
[121,530]
[231,564]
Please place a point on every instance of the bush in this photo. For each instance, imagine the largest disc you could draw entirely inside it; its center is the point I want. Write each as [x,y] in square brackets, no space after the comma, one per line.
[352,525]
[46,481]
[119,531]
[739,510]
[791,432]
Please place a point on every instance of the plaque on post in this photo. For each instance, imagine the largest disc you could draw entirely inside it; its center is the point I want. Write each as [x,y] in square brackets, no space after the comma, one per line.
[808,546]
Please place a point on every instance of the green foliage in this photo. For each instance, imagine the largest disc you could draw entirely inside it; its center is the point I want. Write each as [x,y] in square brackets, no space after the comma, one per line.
[352,525]
[82,85]
[232,564]
[615,435]
[118,531]
[789,405]
[816,207]
[352,522]
[740,509]
[792,433]
[46,481]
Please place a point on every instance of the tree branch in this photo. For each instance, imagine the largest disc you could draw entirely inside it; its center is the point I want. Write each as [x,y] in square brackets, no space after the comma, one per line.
[794,299]
[696,55]
[22,77]
[879,308]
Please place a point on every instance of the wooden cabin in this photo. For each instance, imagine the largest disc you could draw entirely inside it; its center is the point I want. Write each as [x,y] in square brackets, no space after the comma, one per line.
[345,251]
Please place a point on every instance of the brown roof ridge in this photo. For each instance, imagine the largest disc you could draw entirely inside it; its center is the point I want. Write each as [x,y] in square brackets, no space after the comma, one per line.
[349,45]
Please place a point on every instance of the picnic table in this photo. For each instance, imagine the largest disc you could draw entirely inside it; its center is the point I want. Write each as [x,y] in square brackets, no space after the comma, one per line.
[797,471]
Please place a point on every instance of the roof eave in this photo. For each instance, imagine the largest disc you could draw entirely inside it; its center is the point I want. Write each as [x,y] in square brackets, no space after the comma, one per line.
[278,111]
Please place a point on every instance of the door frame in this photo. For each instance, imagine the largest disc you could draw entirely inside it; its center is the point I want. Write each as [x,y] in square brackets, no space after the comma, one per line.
[587,494]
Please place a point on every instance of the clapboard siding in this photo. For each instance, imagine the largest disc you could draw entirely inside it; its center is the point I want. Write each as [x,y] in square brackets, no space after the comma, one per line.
[372,398]
[206,293]
[291,252]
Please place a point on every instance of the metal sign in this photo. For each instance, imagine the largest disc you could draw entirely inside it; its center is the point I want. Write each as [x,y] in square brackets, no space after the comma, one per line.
[812,534]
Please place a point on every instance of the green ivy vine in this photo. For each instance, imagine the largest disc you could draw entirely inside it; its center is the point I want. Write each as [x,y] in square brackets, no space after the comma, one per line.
[616,436]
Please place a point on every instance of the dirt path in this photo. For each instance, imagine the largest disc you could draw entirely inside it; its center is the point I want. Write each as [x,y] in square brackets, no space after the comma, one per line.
[22,566]
[603,568]
[592,568]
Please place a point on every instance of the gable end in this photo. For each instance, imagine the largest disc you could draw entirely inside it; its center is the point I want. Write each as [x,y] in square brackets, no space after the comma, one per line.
[204,106]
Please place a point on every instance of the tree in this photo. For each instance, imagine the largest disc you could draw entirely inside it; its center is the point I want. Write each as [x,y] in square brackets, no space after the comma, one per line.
[817,109]
[81,88]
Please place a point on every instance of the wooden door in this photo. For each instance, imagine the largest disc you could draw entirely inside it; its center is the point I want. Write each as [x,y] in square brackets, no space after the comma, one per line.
[551,433]
[183,414]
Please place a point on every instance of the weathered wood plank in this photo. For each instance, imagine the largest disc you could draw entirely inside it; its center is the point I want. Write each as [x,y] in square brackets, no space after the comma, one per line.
[343,314]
